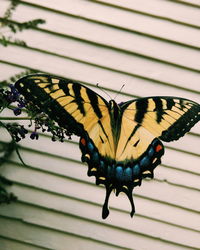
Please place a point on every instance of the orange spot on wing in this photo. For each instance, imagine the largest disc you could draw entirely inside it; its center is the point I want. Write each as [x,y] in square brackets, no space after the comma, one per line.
[83,141]
[158,148]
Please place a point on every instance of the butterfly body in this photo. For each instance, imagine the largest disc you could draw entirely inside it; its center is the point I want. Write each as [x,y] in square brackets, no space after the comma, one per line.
[120,143]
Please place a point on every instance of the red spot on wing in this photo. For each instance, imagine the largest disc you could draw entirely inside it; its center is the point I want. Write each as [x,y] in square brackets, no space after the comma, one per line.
[83,141]
[158,148]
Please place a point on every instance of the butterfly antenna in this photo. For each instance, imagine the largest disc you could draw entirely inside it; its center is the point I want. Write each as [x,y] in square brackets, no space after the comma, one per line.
[103,91]
[119,91]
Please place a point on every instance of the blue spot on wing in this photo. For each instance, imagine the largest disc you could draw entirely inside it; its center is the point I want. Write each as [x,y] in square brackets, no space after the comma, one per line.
[151,152]
[119,173]
[95,157]
[145,162]
[136,169]
[90,147]
[127,174]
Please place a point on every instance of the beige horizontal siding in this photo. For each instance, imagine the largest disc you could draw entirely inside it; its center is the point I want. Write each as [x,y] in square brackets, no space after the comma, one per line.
[189,55]
[92,73]
[13,244]
[124,19]
[117,61]
[153,48]
[87,214]
[172,11]
[194,3]
[46,238]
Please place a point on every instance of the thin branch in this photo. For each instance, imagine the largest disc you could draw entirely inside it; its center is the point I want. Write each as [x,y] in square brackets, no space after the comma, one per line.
[15,118]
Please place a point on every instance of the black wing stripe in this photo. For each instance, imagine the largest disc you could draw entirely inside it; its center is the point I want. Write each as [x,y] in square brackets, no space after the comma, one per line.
[64,86]
[94,102]
[181,103]
[101,125]
[170,103]
[158,108]
[78,98]
[131,135]
[133,132]
[141,109]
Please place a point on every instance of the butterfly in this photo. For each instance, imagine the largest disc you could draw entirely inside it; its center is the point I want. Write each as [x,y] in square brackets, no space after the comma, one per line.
[121,143]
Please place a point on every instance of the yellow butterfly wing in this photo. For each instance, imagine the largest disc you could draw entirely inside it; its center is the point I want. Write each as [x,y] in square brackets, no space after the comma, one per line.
[73,106]
[167,118]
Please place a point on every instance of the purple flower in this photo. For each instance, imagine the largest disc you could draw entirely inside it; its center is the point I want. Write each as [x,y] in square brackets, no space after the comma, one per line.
[22,131]
[17,111]
[17,131]
[13,95]
[34,135]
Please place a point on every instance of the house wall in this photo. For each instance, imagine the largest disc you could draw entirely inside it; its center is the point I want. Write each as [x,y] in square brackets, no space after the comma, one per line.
[153,48]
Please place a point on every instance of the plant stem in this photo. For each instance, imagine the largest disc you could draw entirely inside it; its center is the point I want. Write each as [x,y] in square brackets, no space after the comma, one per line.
[15,118]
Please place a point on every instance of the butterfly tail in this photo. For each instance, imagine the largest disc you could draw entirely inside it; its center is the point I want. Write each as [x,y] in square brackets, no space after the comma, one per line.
[105,210]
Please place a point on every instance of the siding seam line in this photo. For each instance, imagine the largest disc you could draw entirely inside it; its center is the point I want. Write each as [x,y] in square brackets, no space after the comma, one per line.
[112,25]
[165,18]
[96,240]
[93,184]
[108,68]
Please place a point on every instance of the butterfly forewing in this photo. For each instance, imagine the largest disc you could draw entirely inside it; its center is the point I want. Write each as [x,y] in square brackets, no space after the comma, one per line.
[168,118]
[73,106]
